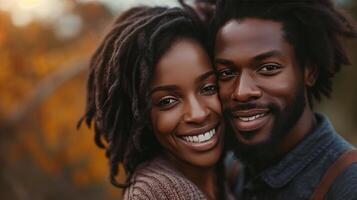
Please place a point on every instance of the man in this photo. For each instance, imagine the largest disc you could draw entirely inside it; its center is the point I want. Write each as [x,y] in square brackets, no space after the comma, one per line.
[274,58]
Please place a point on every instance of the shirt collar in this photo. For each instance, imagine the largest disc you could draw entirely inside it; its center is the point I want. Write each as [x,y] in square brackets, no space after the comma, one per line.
[296,160]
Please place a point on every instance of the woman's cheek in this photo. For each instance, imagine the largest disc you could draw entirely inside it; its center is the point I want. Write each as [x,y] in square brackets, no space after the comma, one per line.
[165,122]
[214,104]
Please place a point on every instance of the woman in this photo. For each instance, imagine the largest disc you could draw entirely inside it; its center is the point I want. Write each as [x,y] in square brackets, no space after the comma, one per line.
[152,95]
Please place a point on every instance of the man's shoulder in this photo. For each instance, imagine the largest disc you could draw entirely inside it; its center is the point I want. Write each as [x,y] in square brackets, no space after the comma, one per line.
[345,185]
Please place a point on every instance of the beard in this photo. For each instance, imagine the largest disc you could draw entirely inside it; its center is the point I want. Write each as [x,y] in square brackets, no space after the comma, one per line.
[259,154]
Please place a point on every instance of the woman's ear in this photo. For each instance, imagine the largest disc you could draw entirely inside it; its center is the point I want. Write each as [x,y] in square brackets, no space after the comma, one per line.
[310,75]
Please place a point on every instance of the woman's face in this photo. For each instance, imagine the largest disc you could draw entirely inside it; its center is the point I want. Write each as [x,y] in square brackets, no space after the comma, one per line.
[186,111]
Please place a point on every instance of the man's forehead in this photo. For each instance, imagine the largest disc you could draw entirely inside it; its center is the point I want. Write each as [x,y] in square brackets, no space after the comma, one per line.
[249,24]
[249,32]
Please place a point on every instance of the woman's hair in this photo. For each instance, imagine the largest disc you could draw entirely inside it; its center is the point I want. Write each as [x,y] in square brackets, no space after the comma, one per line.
[118,97]
[313,27]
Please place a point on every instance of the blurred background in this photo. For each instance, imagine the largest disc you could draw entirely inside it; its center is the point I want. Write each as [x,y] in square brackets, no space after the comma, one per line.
[44,50]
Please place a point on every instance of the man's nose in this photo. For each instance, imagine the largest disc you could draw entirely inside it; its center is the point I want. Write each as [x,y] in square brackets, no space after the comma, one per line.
[195,111]
[246,88]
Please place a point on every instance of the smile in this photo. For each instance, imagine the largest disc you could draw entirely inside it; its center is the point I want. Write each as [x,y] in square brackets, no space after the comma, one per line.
[201,137]
[251,118]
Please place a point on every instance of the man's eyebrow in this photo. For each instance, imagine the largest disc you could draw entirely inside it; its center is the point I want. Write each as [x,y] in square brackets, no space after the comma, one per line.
[266,55]
[223,61]
[163,88]
[205,76]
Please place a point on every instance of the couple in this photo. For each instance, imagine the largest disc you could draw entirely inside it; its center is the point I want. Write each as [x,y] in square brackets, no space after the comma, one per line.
[159,88]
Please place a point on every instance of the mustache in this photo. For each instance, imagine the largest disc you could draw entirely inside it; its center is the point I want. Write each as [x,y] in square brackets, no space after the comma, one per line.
[239,106]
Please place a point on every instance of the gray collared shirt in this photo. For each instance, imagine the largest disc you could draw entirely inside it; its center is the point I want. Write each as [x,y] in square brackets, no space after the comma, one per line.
[300,171]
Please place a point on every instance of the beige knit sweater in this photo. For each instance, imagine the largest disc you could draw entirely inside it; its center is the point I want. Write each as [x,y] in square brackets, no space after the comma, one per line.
[158,179]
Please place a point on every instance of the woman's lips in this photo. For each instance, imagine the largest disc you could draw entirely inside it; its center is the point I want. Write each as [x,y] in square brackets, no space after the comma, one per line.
[203,141]
[200,138]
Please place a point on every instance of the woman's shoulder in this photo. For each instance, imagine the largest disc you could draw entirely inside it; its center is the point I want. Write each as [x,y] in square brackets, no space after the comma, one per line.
[157,179]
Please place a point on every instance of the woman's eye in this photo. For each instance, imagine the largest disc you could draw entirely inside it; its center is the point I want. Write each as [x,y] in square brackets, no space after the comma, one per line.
[270,69]
[166,101]
[209,89]
[225,74]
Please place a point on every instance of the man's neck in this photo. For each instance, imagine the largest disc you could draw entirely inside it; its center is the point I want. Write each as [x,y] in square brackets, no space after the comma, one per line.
[305,125]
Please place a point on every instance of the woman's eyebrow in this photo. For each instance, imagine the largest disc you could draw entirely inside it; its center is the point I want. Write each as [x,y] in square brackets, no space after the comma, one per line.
[205,76]
[163,88]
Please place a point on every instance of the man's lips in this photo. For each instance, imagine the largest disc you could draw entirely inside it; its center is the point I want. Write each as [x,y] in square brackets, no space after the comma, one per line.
[251,119]
[250,112]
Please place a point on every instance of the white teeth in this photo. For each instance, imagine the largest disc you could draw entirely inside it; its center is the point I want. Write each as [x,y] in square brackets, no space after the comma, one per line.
[207,136]
[201,137]
[248,119]
[188,138]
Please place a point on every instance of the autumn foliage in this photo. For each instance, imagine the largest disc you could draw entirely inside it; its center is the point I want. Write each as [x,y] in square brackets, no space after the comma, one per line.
[42,95]
[42,84]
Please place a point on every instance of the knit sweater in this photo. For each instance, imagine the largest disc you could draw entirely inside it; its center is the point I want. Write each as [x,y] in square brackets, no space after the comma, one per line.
[158,179]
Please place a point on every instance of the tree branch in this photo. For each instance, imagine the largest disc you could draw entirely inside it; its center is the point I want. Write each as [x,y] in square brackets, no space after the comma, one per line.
[44,89]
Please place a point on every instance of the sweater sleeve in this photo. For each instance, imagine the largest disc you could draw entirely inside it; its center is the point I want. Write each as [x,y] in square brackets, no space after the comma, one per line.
[158,180]
[153,190]
[137,193]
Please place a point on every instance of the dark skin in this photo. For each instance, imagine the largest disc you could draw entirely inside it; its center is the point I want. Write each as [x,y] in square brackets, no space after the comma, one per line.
[185,105]
[262,89]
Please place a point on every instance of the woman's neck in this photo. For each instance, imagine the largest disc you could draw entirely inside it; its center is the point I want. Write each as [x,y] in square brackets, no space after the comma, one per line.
[203,177]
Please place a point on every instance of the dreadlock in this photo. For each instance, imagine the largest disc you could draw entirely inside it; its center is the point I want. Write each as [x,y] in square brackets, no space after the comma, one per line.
[313,27]
[118,99]
[203,8]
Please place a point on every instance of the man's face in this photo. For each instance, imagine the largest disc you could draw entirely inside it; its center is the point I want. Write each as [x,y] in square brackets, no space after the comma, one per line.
[261,86]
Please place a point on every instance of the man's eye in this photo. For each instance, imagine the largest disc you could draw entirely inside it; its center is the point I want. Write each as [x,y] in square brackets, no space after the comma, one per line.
[269,69]
[167,101]
[225,74]
[209,89]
